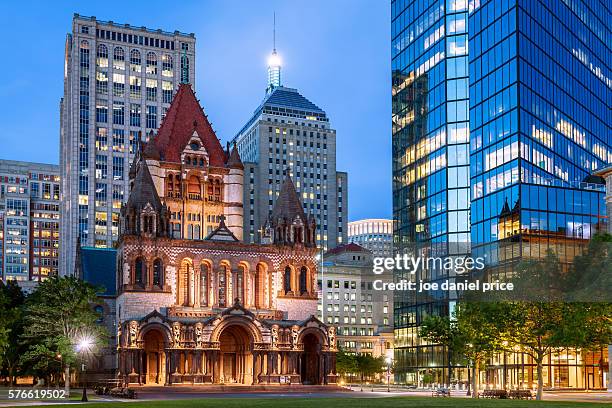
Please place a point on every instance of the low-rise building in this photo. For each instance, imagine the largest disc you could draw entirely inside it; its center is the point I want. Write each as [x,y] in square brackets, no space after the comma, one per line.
[350,301]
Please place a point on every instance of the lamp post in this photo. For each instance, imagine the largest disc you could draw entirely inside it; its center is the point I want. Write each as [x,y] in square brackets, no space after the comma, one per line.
[388,360]
[83,347]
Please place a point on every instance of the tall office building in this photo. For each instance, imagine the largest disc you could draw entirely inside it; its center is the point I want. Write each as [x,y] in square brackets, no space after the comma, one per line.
[375,234]
[118,84]
[29,220]
[289,134]
[527,107]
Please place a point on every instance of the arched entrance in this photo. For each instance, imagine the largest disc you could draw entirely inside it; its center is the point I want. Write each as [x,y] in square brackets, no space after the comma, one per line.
[236,355]
[311,363]
[154,358]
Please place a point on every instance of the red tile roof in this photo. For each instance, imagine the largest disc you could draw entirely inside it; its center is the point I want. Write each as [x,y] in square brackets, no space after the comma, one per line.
[351,247]
[183,117]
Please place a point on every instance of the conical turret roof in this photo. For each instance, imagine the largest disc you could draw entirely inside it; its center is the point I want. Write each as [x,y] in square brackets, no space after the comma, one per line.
[288,204]
[143,191]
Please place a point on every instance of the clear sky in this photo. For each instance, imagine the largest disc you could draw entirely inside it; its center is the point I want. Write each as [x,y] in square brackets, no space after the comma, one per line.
[336,52]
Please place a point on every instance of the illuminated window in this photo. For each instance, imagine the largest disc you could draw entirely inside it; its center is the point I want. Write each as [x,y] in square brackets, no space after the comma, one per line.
[135,61]
[151,64]
[118,58]
[167,66]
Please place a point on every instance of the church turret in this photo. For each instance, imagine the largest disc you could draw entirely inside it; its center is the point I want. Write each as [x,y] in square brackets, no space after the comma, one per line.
[144,214]
[234,193]
[288,224]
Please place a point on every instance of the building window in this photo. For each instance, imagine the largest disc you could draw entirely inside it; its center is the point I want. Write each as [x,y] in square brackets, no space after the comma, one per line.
[118,59]
[140,271]
[135,61]
[118,113]
[135,87]
[151,85]
[167,91]
[135,114]
[167,66]
[158,268]
[151,64]
[151,117]
[303,280]
[102,56]
[287,280]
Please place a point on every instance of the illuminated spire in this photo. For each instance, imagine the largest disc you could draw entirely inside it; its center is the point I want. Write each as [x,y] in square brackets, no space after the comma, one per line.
[274,64]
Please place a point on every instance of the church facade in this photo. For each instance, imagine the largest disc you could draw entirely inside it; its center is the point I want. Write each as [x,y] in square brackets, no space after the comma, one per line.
[195,304]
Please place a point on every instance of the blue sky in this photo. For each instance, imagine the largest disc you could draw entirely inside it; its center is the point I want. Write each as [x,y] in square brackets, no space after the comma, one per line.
[336,52]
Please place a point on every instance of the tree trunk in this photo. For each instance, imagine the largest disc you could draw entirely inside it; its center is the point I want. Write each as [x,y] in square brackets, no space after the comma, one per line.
[540,379]
[11,376]
[67,380]
[475,380]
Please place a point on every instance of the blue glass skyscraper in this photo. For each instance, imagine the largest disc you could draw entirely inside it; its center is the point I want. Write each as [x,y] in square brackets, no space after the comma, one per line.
[501,113]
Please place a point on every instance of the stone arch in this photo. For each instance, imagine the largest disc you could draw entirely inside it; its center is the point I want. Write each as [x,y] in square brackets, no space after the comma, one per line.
[240,320]
[237,336]
[163,328]
[154,338]
[311,357]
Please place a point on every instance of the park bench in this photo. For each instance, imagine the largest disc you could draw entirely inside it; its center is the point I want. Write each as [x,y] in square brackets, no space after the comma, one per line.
[520,394]
[441,392]
[500,394]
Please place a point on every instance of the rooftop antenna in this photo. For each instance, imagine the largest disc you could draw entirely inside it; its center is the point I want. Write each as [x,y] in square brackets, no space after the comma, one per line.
[274,63]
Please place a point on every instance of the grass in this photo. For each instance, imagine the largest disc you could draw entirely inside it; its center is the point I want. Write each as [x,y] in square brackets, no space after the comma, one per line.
[390,402]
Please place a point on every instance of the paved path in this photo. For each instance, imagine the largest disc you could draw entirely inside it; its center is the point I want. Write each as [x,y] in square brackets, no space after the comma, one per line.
[158,393]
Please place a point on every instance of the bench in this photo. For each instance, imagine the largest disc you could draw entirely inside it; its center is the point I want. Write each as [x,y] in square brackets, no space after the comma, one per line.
[520,394]
[441,392]
[499,394]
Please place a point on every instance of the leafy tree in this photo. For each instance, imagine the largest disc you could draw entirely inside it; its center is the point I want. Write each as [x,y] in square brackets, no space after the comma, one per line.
[546,321]
[11,326]
[57,314]
[469,334]
[346,364]
[368,365]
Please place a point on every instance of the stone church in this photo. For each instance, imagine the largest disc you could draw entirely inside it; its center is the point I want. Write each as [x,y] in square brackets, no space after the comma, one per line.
[194,303]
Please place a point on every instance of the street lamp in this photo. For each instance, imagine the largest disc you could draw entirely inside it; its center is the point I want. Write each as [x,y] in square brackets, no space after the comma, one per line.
[84,346]
[388,360]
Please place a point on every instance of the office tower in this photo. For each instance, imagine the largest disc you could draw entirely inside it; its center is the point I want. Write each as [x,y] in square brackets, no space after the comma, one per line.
[524,86]
[362,314]
[289,134]
[119,81]
[375,235]
[29,220]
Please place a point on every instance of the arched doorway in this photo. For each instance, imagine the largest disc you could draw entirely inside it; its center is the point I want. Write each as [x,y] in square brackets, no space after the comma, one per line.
[310,363]
[155,358]
[236,355]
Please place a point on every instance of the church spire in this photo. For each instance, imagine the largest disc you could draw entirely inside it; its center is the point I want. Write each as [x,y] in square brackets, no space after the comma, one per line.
[274,64]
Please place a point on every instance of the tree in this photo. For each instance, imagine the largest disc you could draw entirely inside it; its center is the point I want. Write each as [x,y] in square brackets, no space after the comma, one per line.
[11,326]
[468,333]
[545,321]
[57,314]
[367,365]
[346,364]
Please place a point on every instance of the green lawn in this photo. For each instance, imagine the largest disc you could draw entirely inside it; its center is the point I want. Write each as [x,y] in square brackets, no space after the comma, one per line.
[391,402]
